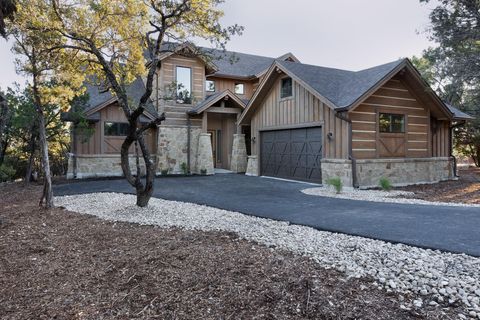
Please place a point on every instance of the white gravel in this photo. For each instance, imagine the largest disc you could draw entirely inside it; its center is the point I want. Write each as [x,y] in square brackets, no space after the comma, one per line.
[393,196]
[435,276]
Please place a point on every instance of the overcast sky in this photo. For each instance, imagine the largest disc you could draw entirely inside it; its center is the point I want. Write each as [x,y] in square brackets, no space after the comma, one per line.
[347,34]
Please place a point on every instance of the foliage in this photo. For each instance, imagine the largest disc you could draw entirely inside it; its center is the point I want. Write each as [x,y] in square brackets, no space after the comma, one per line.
[184,168]
[7,11]
[385,184]
[336,183]
[203,172]
[7,173]
[453,67]
[164,172]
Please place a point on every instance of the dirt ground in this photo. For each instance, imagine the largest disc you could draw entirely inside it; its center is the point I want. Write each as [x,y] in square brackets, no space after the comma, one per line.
[62,265]
[466,189]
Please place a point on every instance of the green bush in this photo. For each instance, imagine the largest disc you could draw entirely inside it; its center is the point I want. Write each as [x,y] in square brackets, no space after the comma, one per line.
[7,173]
[184,168]
[336,183]
[164,172]
[203,172]
[385,184]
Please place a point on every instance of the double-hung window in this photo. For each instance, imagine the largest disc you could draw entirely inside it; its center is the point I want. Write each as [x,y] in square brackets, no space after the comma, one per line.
[184,85]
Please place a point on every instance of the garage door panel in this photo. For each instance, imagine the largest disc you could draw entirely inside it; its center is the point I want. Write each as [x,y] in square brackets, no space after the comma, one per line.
[292,153]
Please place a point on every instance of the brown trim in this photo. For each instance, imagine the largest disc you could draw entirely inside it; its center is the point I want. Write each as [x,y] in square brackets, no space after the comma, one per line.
[294,126]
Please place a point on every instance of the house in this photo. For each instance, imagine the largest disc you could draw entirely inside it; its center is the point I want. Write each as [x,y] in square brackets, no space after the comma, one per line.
[279,117]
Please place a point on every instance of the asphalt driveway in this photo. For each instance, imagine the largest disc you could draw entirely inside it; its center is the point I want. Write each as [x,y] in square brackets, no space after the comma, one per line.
[455,229]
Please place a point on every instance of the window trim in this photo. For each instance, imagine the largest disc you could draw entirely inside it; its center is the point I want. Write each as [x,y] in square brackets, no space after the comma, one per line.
[214,86]
[291,88]
[117,134]
[191,84]
[243,88]
[390,114]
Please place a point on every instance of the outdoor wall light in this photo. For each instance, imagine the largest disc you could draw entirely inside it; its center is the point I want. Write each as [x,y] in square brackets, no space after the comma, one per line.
[253,139]
[330,136]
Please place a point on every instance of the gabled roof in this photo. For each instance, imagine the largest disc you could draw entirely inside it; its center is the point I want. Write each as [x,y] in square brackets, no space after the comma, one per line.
[214,98]
[457,114]
[343,90]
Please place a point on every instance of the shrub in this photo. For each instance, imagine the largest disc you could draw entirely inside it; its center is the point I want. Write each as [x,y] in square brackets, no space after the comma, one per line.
[336,183]
[7,173]
[203,172]
[164,172]
[385,184]
[184,168]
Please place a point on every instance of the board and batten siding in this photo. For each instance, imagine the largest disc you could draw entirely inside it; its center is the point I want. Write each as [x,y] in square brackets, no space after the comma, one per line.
[393,97]
[301,110]
[441,139]
[175,113]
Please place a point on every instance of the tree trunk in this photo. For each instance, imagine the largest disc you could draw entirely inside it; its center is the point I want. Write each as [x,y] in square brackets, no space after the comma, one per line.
[47,197]
[31,150]
[4,119]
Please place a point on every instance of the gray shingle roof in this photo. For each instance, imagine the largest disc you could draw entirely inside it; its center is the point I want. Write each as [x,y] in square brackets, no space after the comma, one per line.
[340,87]
[457,113]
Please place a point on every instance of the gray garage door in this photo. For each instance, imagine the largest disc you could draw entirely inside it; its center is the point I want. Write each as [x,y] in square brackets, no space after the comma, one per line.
[292,154]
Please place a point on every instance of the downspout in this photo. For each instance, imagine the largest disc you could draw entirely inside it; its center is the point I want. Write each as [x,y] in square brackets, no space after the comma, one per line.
[350,151]
[452,127]
[188,143]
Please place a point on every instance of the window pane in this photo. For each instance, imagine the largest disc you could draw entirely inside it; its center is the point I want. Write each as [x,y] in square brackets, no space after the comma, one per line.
[210,86]
[115,129]
[109,129]
[184,85]
[239,88]
[286,88]
[391,123]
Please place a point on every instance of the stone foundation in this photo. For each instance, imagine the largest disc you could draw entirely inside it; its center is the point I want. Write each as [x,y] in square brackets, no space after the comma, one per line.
[204,155]
[172,152]
[403,172]
[252,166]
[332,168]
[238,162]
[99,166]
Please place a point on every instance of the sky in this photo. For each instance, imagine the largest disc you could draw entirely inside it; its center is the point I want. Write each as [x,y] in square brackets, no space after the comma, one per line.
[345,34]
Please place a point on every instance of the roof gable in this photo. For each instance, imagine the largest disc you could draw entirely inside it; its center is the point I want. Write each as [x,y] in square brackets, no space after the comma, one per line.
[214,98]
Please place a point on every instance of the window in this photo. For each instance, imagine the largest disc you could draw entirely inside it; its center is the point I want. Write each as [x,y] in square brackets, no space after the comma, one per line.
[184,85]
[239,88]
[286,88]
[210,86]
[115,128]
[391,123]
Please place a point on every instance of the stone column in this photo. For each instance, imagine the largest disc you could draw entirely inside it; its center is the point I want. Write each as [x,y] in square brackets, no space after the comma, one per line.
[252,166]
[204,161]
[238,162]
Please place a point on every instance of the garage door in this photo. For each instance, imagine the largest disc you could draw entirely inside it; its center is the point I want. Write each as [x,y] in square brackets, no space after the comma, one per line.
[292,154]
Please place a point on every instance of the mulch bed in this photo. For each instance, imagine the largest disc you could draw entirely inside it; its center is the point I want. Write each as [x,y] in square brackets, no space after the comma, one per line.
[464,190]
[62,265]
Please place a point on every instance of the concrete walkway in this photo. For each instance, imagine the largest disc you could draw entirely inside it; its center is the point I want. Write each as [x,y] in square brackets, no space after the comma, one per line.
[455,229]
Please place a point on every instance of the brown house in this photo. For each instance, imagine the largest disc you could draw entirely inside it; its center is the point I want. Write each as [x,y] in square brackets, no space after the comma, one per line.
[292,120]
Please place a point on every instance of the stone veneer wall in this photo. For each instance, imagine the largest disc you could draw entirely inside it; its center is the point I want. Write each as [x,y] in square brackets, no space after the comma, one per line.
[402,172]
[173,148]
[238,162]
[252,166]
[341,168]
[204,155]
[98,166]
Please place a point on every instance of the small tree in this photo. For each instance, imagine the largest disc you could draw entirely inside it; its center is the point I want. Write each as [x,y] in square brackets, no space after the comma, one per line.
[118,40]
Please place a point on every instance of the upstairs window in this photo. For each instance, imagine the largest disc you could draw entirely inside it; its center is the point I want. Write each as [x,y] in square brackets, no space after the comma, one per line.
[184,85]
[286,88]
[210,86]
[115,129]
[239,88]
[391,123]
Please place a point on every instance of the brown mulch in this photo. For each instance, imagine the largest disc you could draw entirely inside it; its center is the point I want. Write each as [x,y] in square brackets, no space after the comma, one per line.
[464,190]
[62,265]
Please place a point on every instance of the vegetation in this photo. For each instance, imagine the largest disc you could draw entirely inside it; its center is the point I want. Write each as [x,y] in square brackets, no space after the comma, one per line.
[203,172]
[184,168]
[336,183]
[7,173]
[385,184]
[452,67]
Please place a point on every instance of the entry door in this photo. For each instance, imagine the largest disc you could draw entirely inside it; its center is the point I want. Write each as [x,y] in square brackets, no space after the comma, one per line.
[292,154]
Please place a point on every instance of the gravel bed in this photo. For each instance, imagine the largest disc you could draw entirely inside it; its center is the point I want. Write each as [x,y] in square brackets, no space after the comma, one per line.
[394,196]
[419,276]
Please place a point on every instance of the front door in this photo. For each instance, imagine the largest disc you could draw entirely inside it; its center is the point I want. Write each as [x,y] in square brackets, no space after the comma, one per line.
[213,139]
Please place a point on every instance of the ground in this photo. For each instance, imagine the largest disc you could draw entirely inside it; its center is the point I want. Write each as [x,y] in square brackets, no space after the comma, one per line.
[59,264]
[465,190]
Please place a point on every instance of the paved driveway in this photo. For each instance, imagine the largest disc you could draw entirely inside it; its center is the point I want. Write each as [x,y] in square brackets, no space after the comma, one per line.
[455,229]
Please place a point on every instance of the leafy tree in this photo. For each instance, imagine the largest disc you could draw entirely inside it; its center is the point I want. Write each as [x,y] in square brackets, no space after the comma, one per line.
[118,40]
[7,11]
[454,66]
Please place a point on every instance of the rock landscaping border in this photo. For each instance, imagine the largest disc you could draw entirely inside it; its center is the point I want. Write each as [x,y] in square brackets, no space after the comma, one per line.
[439,279]
[394,196]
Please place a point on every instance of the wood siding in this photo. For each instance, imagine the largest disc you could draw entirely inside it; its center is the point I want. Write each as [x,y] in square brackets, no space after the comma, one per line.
[303,109]
[394,97]
[222,84]
[98,143]
[440,138]
[176,113]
